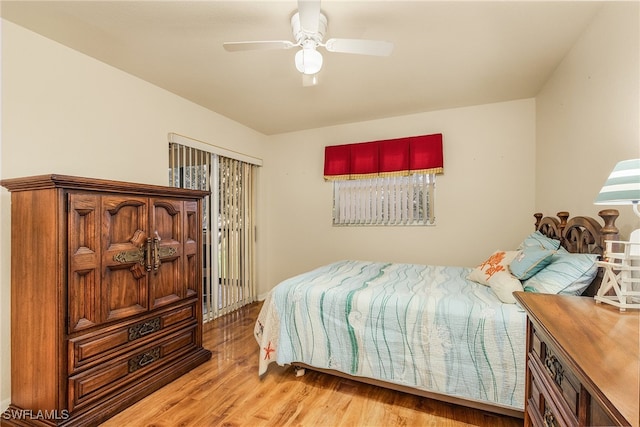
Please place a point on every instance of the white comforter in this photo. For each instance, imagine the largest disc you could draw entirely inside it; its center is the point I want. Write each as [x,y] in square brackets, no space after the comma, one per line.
[421,326]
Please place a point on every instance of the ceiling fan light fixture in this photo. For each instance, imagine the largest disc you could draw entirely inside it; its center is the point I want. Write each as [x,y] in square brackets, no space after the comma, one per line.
[309,26]
[308,60]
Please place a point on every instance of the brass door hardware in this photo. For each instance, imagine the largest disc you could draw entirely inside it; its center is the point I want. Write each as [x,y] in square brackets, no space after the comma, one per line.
[148,255]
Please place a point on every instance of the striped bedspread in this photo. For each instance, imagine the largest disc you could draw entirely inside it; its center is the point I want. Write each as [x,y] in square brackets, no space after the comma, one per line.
[420,326]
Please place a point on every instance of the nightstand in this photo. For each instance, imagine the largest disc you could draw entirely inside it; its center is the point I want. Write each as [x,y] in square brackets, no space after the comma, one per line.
[582,362]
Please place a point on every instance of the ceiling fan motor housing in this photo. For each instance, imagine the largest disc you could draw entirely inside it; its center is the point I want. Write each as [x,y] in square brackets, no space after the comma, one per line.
[301,35]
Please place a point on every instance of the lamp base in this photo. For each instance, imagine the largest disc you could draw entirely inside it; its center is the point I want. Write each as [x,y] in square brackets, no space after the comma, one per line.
[623,302]
[621,274]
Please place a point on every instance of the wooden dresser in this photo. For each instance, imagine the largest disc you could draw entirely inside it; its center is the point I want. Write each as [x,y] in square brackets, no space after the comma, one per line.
[582,362]
[106,295]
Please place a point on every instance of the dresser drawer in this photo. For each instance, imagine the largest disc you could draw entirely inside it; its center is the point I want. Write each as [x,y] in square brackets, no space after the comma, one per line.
[113,377]
[541,406]
[555,368]
[87,350]
[582,362]
[597,416]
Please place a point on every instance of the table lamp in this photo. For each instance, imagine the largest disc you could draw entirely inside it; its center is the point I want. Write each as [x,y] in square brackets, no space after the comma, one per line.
[622,267]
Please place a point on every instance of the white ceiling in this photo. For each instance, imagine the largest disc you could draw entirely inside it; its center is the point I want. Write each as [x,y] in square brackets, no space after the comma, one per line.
[447,53]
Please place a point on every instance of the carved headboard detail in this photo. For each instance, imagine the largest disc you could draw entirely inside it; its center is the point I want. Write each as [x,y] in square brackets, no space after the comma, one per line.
[581,234]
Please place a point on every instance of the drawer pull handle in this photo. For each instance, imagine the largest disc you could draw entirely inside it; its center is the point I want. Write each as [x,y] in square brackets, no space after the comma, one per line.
[554,367]
[549,418]
[144,359]
[145,328]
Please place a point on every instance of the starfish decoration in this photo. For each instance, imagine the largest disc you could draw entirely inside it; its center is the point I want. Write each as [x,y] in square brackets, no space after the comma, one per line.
[268,350]
[494,264]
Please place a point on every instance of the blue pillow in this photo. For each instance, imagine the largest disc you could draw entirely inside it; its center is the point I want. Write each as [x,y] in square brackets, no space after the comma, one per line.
[567,274]
[530,261]
[538,239]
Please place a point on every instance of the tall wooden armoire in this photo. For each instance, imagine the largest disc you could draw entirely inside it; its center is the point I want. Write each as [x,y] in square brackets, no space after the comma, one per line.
[106,295]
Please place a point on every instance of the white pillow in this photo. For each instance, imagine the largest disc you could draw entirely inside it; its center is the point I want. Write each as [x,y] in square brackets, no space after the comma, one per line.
[503,284]
[494,272]
[497,262]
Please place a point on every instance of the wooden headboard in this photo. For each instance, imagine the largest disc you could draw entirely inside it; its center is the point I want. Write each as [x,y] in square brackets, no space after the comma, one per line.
[581,234]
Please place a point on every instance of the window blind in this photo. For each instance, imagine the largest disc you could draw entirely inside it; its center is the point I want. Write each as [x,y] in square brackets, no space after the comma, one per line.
[228,224]
[392,200]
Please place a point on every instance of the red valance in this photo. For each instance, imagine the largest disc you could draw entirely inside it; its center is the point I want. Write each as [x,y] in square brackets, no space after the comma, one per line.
[364,160]
[401,156]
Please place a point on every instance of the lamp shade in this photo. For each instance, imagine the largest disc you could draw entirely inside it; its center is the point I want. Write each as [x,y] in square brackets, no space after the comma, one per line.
[622,186]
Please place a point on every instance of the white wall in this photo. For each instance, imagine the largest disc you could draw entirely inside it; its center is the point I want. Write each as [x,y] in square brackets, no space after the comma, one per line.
[588,115]
[484,200]
[66,113]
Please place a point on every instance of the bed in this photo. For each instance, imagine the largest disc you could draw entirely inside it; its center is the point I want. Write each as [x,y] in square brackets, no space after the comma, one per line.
[443,332]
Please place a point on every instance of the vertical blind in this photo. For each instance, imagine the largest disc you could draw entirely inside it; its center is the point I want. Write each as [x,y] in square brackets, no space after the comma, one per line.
[236,234]
[228,224]
[392,200]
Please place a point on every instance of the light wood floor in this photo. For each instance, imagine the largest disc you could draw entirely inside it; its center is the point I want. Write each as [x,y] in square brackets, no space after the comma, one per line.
[226,391]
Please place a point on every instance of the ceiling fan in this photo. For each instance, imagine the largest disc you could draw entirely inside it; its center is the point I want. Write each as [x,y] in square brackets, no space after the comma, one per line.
[309,26]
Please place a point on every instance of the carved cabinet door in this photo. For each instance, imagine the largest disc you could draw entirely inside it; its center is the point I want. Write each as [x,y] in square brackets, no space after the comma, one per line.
[192,237]
[167,282]
[84,249]
[126,243]
[129,254]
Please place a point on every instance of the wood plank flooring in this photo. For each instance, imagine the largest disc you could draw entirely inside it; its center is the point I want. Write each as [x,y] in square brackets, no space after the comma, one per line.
[226,391]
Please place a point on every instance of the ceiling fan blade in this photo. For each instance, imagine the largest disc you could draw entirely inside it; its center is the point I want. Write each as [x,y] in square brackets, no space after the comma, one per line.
[309,80]
[257,45]
[358,46]
[309,12]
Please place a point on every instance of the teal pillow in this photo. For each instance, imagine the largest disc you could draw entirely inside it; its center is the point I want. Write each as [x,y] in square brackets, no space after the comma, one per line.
[530,261]
[537,239]
[567,274]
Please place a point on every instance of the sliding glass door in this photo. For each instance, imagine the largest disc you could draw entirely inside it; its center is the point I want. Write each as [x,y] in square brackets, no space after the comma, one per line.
[228,233]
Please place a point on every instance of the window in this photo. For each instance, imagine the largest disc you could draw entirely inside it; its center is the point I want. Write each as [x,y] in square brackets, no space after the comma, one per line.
[392,200]
[386,182]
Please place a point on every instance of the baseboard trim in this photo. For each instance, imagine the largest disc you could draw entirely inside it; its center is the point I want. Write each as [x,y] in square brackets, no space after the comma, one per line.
[5,404]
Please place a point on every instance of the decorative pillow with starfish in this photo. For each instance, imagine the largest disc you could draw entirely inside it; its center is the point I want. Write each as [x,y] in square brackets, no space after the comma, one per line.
[494,272]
